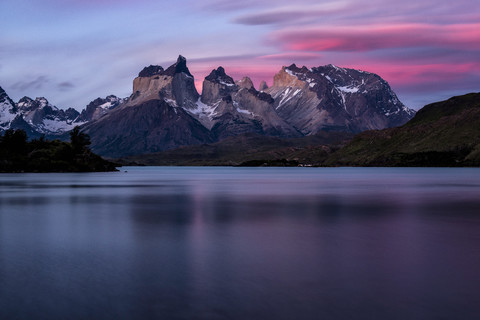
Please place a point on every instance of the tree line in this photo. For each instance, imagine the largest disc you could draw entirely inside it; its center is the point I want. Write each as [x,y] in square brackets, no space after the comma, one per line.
[19,154]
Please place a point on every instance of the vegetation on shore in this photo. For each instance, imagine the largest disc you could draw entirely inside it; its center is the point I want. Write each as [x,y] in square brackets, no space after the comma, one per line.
[18,154]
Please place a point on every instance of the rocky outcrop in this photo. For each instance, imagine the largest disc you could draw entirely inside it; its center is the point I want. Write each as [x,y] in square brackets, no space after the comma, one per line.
[176,84]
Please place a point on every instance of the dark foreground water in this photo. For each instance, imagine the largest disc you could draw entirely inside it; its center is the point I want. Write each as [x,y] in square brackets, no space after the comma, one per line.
[241,243]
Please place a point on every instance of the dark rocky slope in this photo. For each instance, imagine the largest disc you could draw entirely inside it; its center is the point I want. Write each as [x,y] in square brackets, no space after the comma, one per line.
[445,133]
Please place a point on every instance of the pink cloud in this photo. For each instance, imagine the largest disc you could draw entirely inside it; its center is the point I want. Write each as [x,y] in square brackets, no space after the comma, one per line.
[353,38]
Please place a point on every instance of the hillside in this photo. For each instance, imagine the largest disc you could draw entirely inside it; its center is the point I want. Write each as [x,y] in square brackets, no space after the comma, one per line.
[445,133]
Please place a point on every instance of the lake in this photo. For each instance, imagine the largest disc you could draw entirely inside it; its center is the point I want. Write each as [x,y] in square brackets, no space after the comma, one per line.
[241,243]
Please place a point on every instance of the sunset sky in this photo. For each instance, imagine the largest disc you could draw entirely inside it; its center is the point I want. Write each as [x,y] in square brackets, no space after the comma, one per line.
[73,51]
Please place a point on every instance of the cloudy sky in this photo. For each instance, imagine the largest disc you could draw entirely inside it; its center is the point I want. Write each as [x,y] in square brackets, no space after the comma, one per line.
[72,51]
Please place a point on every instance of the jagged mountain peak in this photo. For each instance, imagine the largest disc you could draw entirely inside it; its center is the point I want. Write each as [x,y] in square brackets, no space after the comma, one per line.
[219,76]
[293,67]
[8,110]
[3,94]
[216,86]
[155,70]
[99,107]
[262,86]
[288,77]
[5,100]
[36,117]
[28,104]
[245,82]
[178,67]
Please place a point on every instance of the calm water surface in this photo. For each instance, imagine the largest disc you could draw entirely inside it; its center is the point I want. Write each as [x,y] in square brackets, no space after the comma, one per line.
[241,243]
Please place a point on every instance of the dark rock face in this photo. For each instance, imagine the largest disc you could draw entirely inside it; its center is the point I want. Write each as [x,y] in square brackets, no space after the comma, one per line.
[151,71]
[179,67]
[149,127]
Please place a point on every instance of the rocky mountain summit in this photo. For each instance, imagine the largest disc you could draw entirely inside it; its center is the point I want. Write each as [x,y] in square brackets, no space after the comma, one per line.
[330,98]
[39,117]
[165,110]
[36,117]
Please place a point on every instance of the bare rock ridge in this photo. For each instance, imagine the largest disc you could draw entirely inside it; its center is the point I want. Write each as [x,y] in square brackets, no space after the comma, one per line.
[165,110]
[175,84]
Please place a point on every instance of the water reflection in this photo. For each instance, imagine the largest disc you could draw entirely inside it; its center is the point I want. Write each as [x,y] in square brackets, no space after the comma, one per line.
[237,243]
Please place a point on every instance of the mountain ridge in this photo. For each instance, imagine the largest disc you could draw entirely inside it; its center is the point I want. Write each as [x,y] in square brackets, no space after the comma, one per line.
[301,102]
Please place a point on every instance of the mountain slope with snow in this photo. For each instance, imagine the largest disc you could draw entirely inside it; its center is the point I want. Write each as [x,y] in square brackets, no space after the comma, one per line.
[301,102]
[336,99]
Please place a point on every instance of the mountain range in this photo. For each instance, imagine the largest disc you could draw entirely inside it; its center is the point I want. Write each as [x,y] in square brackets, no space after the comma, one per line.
[165,111]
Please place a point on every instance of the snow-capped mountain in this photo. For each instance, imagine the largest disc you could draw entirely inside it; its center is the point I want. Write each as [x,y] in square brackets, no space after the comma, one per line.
[39,117]
[336,99]
[44,117]
[99,107]
[165,110]
[8,110]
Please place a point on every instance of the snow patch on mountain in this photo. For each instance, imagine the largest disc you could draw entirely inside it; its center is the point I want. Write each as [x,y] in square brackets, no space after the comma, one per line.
[57,126]
[349,89]
[6,115]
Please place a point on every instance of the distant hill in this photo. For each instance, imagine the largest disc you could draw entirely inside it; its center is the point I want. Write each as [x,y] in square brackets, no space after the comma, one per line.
[445,133]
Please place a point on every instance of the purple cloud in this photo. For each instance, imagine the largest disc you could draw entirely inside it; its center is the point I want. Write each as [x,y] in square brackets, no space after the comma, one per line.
[289,15]
[65,86]
[36,83]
